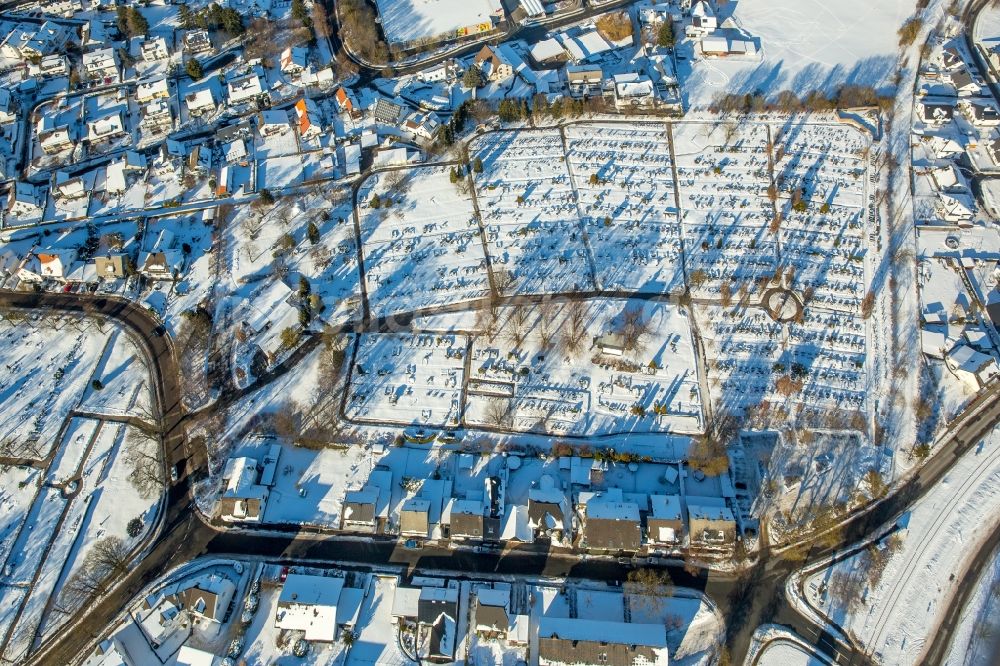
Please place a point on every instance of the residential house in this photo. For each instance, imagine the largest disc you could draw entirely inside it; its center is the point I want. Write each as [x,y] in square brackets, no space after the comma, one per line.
[956,207]
[164,163]
[548,509]
[710,521]
[634,91]
[197,43]
[366,510]
[244,499]
[971,367]
[444,71]
[665,522]
[437,613]
[49,38]
[19,35]
[163,260]
[270,311]
[346,103]
[272,122]
[64,187]
[294,60]
[414,518]
[309,604]
[25,201]
[309,119]
[703,19]
[492,612]
[148,91]
[387,112]
[200,102]
[51,263]
[572,641]
[55,140]
[113,266]
[157,116]
[584,81]
[50,66]
[206,597]
[107,128]
[102,65]
[492,65]
[980,114]
[964,84]
[245,88]
[936,112]
[154,49]
[611,525]
[8,106]
[465,519]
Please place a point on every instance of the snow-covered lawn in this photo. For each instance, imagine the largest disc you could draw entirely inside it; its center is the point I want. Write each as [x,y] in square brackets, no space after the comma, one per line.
[900,602]
[806,45]
[375,643]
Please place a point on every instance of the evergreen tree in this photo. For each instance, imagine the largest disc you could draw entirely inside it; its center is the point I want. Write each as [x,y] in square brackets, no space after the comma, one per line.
[194,69]
[312,233]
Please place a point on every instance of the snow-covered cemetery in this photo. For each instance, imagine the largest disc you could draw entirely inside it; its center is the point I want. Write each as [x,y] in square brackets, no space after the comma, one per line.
[554,333]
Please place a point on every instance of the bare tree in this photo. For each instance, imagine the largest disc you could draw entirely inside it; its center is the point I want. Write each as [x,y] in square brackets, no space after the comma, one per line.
[575,329]
[633,328]
[503,280]
[498,412]
[517,325]
[147,468]
[546,325]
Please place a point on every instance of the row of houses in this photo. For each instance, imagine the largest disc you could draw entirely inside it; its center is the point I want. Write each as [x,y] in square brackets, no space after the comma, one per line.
[573,508]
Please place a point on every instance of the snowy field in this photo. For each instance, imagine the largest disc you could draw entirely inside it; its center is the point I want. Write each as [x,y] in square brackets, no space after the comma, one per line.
[408,20]
[806,45]
[891,595]
[422,244]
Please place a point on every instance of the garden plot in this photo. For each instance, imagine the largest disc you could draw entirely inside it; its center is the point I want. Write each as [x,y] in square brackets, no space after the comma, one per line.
[530,214]
[48,363]
[527,374]
[821,181]
[407,379]
[625,183]
[723,180]
[422,244]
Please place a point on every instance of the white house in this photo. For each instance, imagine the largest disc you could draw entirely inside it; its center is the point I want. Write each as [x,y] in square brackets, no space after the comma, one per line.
[106,128]
[244,499]
[294,60]
[245,88]
[102,64]
[273,121]
[8,106]
[50,66]
[154,49]
[200,102]
[309,604]
[147,91]
[25,201]
[972,367]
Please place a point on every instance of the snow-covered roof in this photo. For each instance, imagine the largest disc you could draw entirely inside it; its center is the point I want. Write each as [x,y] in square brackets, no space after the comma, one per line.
[546,50]
[605,510]
[666,507]
[309,604]
[622,633]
